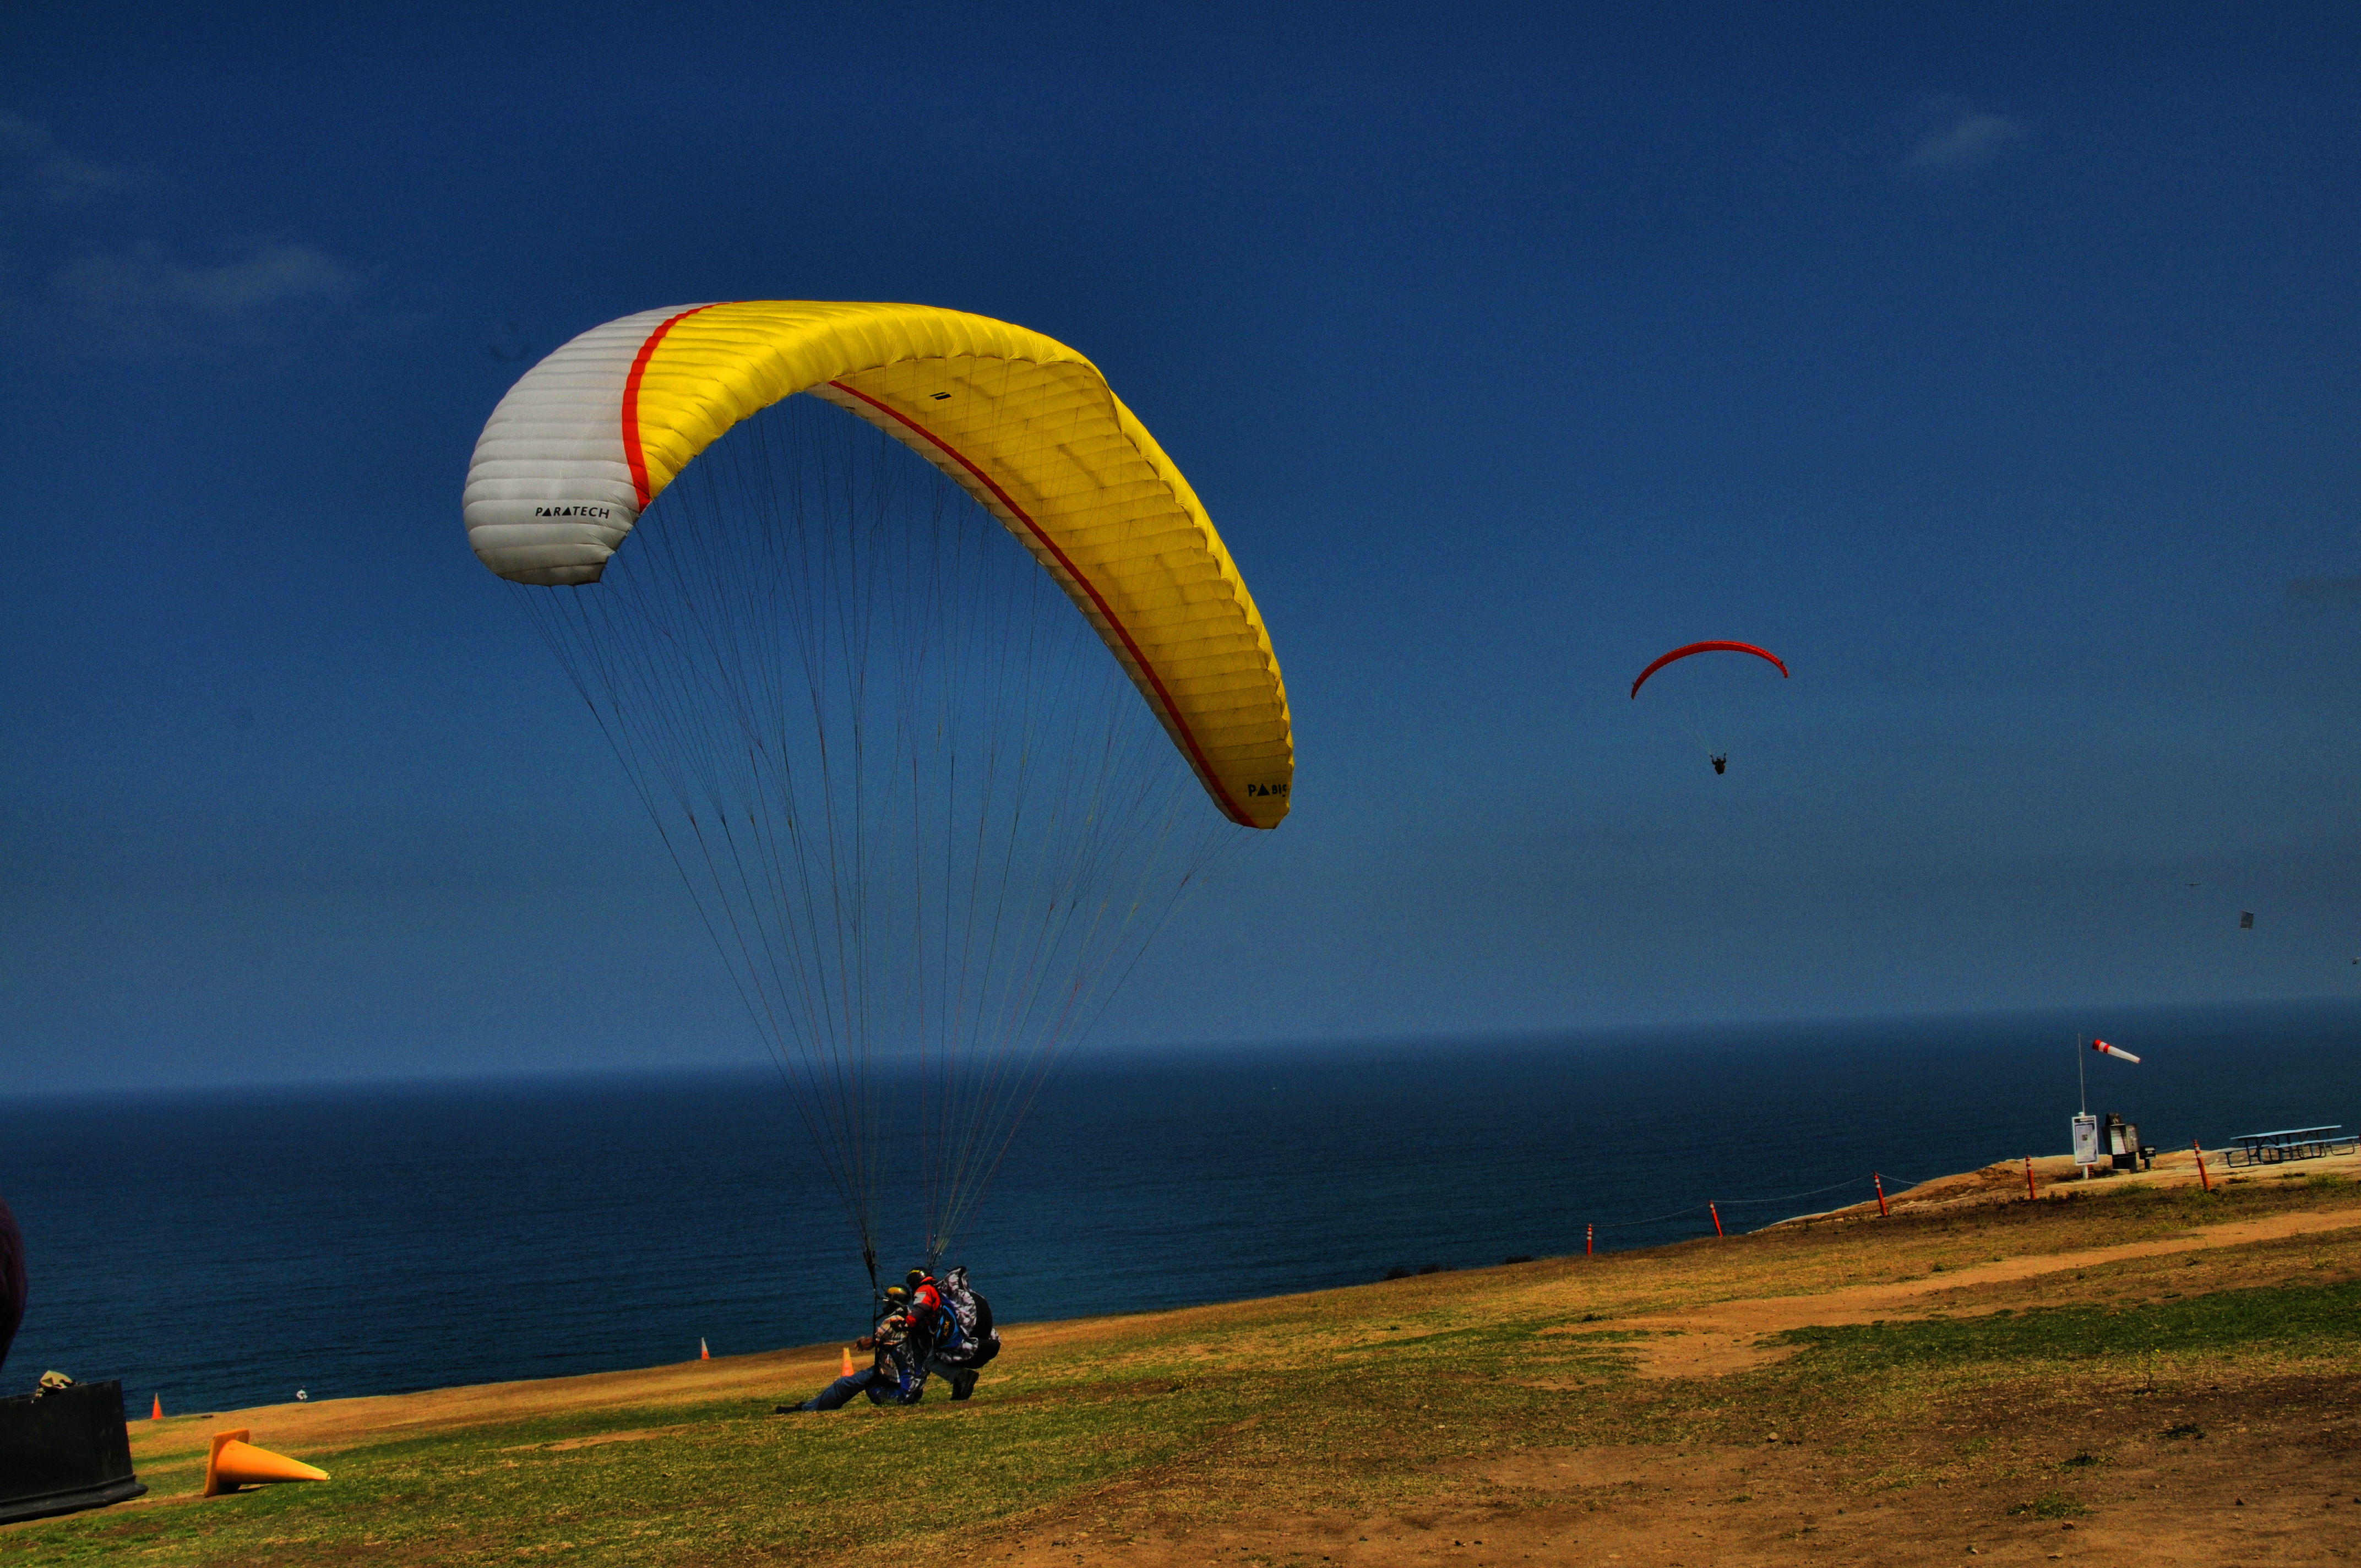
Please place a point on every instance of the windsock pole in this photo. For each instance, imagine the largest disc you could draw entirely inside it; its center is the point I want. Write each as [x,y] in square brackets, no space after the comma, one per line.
[2029,1193]
[1878,1181]
[1716,1212]
[2200,1166]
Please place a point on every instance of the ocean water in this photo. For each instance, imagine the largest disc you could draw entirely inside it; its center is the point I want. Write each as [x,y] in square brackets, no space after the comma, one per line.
[226,1249]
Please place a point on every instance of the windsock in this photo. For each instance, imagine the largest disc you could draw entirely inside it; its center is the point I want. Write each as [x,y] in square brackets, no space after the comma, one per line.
[2117,1052]
[235,1463]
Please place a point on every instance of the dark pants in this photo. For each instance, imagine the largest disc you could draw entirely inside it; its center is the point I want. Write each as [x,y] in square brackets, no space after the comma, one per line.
[882,1387]
[837,1393]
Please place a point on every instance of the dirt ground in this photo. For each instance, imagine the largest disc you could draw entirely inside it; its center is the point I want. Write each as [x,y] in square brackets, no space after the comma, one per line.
[2257,1493]
[2275,1477]
[1726,1337]
[2262,1472]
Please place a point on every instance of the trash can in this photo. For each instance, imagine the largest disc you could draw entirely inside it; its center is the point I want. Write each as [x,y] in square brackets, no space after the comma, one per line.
[64,1451]
[2119,1141]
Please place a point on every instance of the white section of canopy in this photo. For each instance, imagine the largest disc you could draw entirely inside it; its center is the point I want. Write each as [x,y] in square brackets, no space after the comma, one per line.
[549,491]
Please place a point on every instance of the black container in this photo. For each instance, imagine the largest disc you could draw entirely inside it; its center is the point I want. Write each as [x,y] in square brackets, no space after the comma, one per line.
[64,1451]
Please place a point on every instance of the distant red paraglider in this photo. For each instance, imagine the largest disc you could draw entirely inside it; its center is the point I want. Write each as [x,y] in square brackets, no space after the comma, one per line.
[1707,648]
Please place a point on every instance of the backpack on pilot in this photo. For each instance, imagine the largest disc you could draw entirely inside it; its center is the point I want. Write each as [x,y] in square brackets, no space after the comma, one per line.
[969,1343]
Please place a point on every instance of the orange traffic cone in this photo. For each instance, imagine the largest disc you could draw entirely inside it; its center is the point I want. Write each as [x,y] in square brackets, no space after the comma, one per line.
[158,1413]
[237,1463]
[702,1354]
[848,1361]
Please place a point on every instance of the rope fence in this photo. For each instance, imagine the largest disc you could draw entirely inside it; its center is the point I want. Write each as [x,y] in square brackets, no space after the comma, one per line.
[1873,1180]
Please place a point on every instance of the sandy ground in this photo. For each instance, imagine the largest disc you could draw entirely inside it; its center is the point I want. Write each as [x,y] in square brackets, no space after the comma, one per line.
[2057,1175]
[1723,1338]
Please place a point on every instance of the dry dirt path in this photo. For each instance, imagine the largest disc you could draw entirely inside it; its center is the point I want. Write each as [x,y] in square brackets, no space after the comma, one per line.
[1707,1341]
[2252,1495]
[2256,1489]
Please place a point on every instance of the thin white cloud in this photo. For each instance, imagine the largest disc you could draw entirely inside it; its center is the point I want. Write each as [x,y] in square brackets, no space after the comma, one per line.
[1969,141]
[32,154]
[88,270]
[271,277]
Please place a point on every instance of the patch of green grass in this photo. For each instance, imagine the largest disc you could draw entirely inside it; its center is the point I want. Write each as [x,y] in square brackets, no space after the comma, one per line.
[2281,1317]
[733,1483]
[2050,1506]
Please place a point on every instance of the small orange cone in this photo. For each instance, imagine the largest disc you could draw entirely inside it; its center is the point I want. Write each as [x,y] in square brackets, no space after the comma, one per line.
[702,1354]
[237,1463]
[158,1413]
[848,1361]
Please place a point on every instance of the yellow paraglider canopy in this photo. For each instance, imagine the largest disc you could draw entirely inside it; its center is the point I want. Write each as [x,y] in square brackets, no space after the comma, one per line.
[1026,425]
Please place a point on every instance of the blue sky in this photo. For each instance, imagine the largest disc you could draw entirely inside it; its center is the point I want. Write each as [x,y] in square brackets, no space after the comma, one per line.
[1997,366]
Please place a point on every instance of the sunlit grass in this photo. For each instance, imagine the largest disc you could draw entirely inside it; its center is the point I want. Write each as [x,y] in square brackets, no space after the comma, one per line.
[1346,1400]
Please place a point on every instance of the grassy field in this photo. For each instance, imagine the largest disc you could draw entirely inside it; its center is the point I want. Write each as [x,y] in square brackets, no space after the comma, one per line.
[1997,1371]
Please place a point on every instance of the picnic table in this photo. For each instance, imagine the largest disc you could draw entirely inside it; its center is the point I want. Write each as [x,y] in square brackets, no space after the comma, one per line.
[2294,1143]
